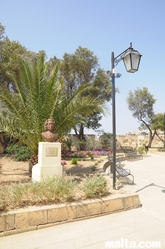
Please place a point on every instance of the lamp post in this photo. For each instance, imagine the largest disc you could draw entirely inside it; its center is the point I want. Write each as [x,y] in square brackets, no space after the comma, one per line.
[131,60]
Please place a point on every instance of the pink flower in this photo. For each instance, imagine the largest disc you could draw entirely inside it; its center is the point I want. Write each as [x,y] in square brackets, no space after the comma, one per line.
[63,162]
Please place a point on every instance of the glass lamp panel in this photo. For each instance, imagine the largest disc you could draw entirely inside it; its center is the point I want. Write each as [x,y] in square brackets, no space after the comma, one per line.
[127,62]
[131,61]
[135,58]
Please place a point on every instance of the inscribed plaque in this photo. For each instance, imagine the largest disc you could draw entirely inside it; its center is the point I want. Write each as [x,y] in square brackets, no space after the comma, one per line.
[51,152]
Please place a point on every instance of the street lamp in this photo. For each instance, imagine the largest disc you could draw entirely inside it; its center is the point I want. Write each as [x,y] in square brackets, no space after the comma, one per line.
[131,60]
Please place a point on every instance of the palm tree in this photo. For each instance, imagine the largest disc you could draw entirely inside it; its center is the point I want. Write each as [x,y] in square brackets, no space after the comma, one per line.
[40,95]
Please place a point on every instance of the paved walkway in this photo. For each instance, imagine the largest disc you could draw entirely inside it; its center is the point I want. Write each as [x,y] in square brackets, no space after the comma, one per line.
[142,225]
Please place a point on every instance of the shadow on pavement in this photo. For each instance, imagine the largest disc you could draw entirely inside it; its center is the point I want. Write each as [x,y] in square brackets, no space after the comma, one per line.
[151,185]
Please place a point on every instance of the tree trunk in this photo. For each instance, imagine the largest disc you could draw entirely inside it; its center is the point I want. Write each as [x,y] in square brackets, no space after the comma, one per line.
[33,160]
[151,137]
[81,137]
[4,140]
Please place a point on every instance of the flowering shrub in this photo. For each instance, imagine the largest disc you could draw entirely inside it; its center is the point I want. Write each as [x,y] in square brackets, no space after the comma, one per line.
[85,154]
[63,162]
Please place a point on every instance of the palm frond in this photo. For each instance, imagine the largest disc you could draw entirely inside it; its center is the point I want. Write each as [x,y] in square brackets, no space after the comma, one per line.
[39,96]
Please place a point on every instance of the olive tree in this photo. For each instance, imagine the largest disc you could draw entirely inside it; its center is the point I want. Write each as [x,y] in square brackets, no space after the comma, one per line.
[140,103]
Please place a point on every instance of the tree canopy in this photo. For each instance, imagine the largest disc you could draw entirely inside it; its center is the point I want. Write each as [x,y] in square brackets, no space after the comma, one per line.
[79,74]
[82,68]
[158,123]
[10,51]
[39,95]
[141,102]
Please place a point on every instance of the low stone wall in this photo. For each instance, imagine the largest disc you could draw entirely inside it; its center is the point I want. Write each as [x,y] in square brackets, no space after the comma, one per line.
[33,218]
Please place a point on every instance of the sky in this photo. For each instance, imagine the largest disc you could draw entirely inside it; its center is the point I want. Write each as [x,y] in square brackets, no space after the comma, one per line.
[102,26]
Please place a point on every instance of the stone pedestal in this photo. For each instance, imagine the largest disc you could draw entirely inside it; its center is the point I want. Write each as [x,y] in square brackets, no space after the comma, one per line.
[49,161]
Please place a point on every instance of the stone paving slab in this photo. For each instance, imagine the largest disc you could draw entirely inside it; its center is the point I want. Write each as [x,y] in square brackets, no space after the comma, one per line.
[149,182]
[134,225]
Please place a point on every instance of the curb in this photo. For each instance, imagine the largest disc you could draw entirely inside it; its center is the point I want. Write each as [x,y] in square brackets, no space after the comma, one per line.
[33,218]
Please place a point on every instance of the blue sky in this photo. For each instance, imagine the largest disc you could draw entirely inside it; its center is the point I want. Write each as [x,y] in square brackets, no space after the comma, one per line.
[102,26]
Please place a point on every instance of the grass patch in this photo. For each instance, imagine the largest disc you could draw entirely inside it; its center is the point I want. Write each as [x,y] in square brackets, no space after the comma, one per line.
[95,186]
[51,191]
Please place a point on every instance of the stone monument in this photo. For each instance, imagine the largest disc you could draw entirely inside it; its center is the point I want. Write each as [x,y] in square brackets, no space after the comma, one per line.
[49,154]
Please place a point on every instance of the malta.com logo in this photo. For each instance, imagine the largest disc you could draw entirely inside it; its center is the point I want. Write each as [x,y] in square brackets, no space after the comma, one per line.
[125,243]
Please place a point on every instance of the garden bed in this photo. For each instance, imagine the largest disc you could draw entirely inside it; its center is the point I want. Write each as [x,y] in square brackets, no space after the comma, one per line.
[12,171]
[80,181]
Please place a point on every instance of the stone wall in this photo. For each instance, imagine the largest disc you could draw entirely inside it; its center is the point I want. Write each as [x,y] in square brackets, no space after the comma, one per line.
[136,141]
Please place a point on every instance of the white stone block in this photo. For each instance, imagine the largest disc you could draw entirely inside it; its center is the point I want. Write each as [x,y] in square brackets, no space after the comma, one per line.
[49,161]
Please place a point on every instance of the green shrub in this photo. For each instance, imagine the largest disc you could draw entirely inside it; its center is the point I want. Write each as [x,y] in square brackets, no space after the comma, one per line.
[19,152]
[93,168]
[74,160]
[94,186]
[52,190]
[11,150]
[141,150]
